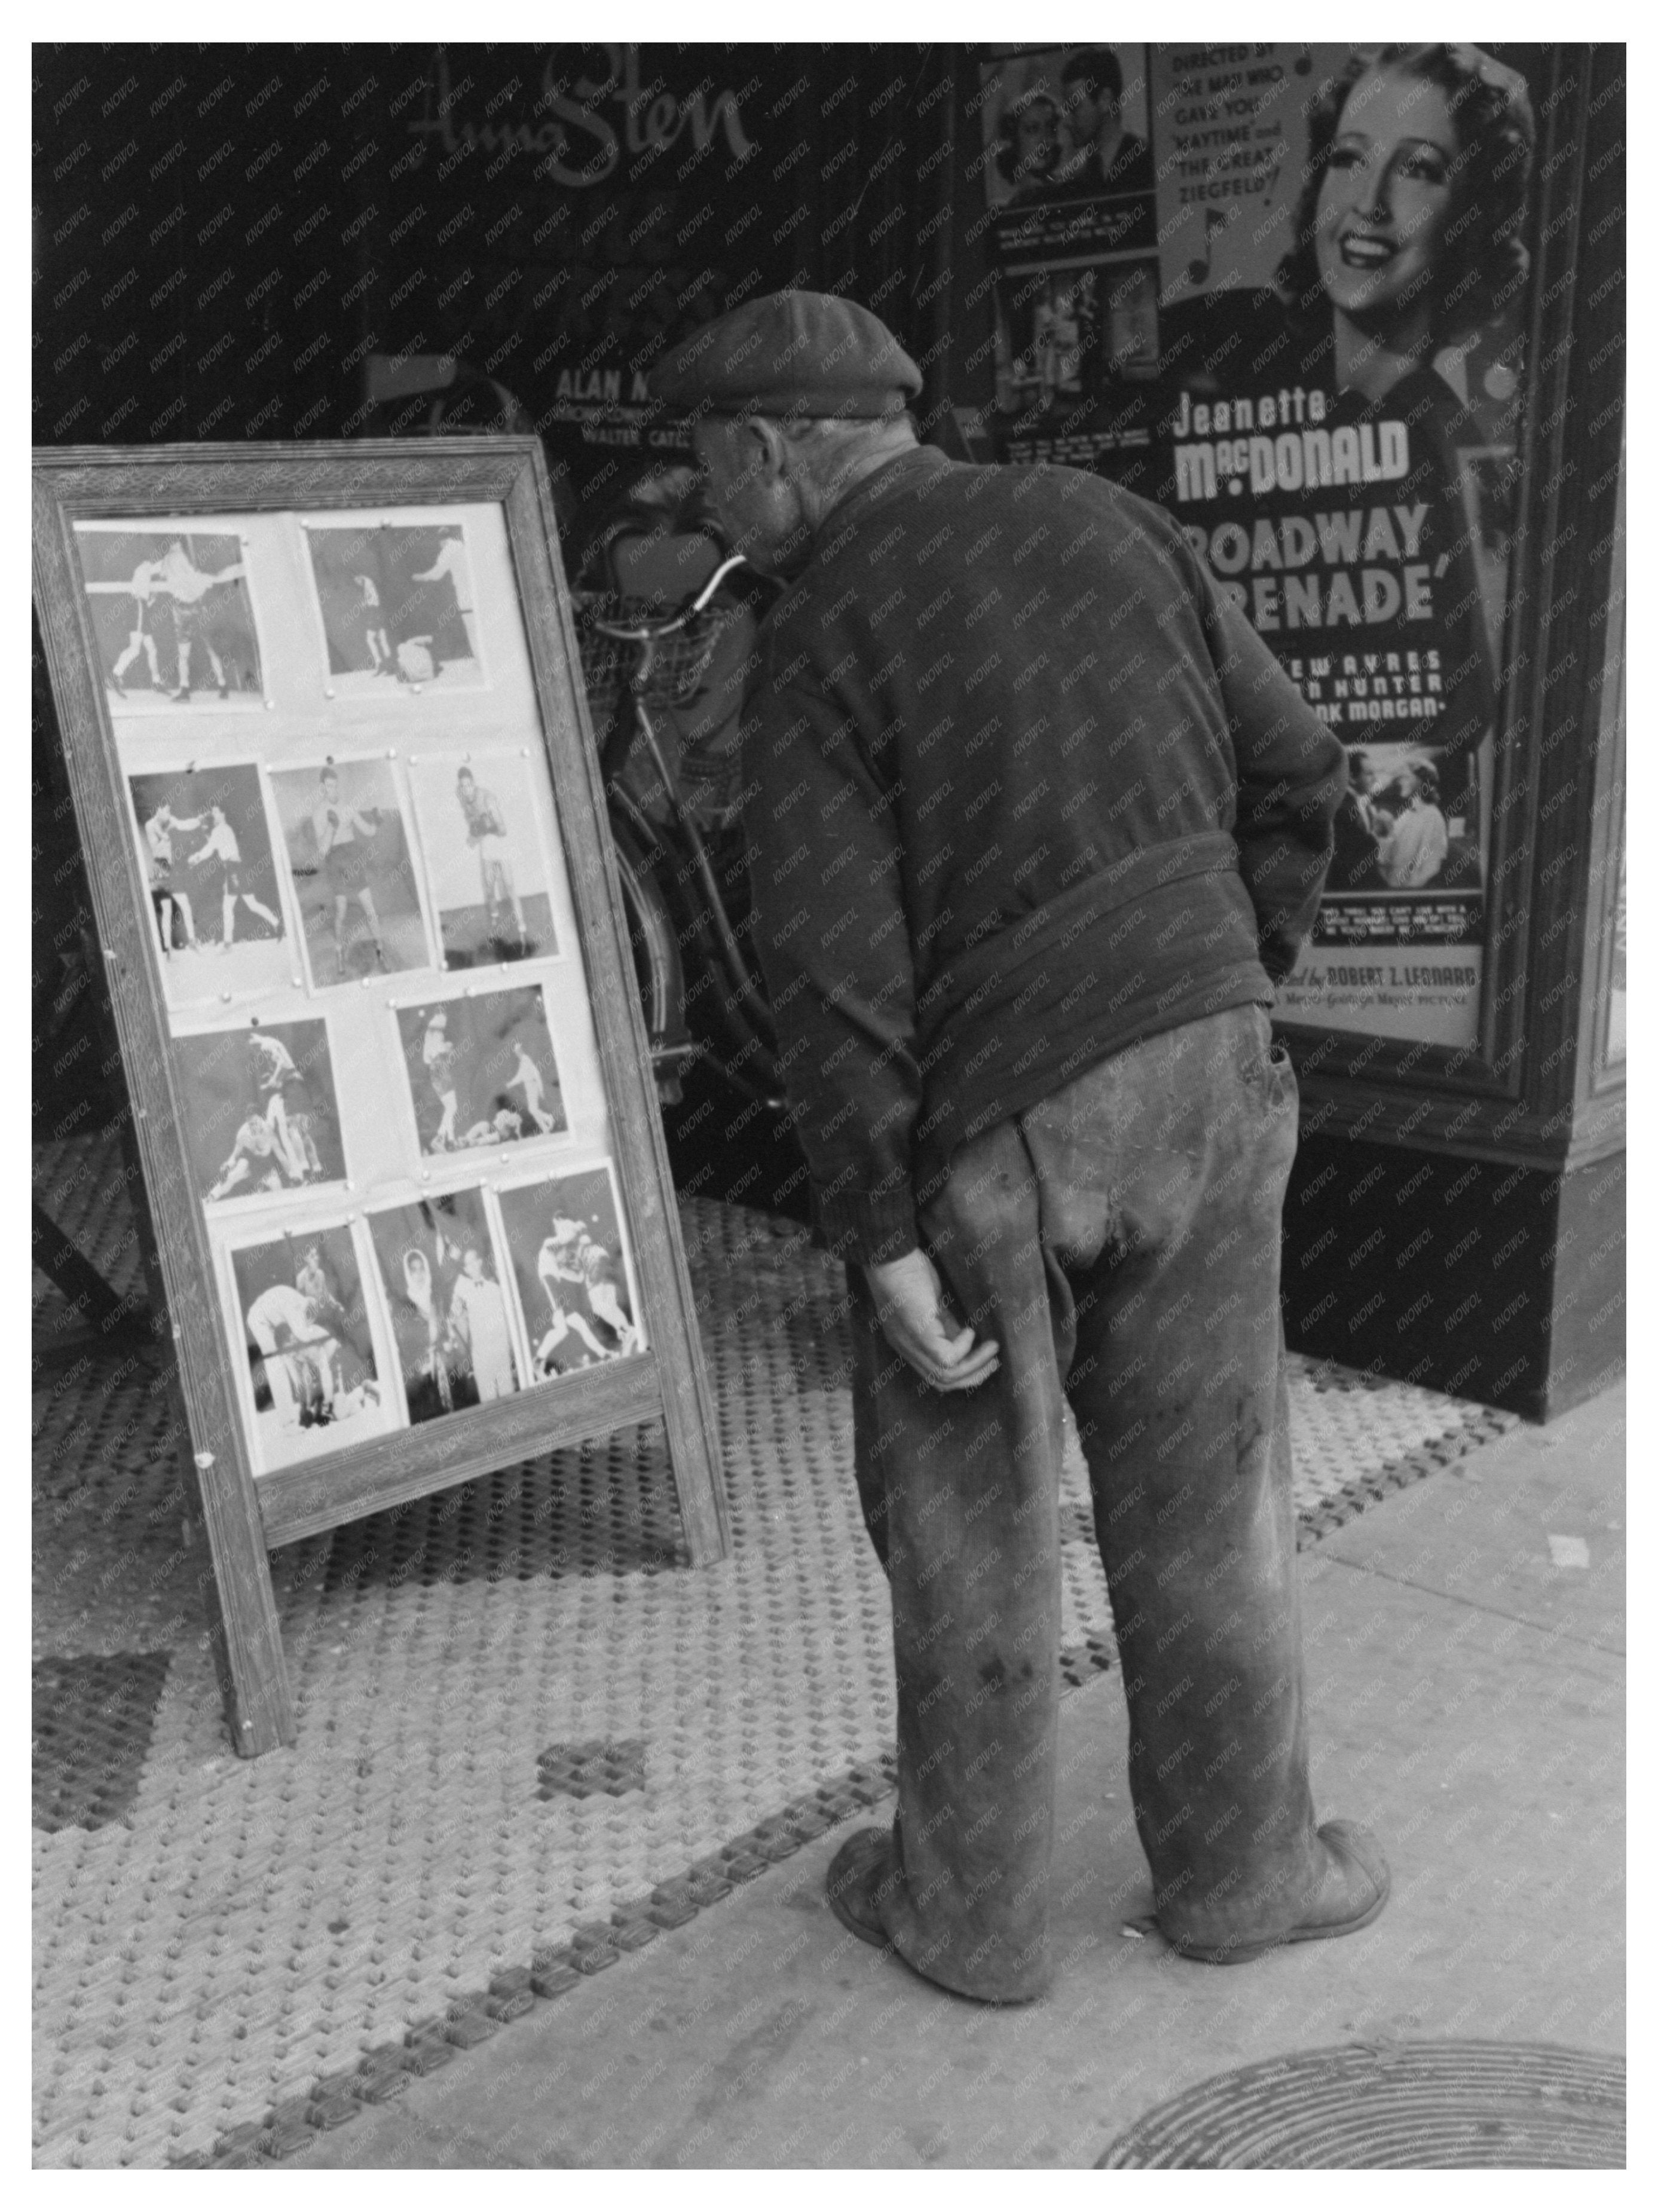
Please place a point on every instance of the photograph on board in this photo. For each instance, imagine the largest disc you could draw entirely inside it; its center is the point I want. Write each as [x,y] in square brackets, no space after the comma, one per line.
[448,1305]
[565,1238]
[204,845]
[260,1110]
[397,606]
[482,1070]
[1072,189]
[300,1308]
[1392,832]
[484,864]
[354,874]
[172,617]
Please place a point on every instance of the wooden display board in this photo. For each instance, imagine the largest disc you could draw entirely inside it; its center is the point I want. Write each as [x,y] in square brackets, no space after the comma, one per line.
[344,829]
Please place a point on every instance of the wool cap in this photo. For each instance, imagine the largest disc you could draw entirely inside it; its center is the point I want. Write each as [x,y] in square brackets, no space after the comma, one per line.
[789,353]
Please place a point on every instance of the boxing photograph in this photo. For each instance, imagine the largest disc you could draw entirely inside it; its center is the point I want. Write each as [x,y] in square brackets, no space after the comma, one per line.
[204,846]
[484,866]
[261,1115]
[450,1323]
[565,1237]
[354,875]
[316,1385]
[481,1070]
[397,606]
[172,618]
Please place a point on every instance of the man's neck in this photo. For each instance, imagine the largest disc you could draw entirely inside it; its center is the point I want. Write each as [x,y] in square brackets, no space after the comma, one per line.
[859,467]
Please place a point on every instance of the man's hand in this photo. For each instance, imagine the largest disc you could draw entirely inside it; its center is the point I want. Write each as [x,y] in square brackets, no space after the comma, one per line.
[909,1300]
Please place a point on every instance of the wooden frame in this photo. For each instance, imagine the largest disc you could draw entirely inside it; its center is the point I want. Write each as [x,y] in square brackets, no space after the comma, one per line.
[245,1515]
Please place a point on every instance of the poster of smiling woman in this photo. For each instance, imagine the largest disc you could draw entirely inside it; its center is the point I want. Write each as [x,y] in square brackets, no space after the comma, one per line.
[1313,358]
[1337,434]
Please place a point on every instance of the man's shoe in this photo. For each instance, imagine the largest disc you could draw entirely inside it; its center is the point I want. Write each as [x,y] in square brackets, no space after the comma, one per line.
[859,1871]
[1355,1886]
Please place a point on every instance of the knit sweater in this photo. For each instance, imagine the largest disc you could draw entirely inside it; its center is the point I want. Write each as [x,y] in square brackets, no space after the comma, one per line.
[1023,787]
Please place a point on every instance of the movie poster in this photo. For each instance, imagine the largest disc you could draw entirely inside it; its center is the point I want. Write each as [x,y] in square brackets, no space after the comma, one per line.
[1321,378]
[1072,184]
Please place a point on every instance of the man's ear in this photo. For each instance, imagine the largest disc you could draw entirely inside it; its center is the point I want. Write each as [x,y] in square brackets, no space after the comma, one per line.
[765,449]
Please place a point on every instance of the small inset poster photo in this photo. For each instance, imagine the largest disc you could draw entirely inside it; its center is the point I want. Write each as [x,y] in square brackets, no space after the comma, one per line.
[485,866]
[313,1380]
[482,1070]
[173,616]
[571,1265]
[260,1112]
[204,845]
[354,883]
[451,1322]
[398,610]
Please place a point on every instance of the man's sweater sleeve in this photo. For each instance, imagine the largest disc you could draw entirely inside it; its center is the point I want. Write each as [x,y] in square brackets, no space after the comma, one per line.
[827,874]
[1291,773]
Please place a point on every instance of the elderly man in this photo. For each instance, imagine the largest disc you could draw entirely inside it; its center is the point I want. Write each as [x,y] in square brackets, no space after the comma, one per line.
[1036,822]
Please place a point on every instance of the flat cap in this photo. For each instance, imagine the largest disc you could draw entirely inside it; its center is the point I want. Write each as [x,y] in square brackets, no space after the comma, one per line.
[789,353]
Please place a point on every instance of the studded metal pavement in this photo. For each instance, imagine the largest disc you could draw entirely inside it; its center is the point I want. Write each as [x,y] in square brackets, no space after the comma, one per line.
[529,1734]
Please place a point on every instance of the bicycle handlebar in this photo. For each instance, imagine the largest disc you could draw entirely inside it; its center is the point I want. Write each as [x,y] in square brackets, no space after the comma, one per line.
[649,633]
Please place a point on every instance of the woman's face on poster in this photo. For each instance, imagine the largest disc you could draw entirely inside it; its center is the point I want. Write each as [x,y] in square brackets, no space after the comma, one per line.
[1038,146]
[1387,197]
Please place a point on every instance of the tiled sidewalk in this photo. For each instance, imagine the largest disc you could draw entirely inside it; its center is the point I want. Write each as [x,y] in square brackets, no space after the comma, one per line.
[520,1713]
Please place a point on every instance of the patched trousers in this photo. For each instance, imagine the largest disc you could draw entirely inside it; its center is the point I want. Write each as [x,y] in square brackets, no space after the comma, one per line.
[1120,1243]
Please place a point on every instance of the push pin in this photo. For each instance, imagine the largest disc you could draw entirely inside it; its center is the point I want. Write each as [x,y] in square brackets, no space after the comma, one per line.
[391,752]
[328,691]
[204,1460]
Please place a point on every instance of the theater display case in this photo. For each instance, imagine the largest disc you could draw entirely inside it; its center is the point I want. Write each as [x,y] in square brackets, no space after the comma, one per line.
[1374,364]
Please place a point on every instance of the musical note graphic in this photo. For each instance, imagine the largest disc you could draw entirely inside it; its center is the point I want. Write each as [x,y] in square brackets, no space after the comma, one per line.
[1197,269]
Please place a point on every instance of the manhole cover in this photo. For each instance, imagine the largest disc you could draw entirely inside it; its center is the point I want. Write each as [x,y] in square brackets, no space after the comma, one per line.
[1452,2104]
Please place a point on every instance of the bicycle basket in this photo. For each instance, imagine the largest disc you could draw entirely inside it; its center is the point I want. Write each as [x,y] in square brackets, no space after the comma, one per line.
[675,660]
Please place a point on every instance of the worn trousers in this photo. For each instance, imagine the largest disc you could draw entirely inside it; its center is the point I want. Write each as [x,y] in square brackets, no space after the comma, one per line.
[1119,1241]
